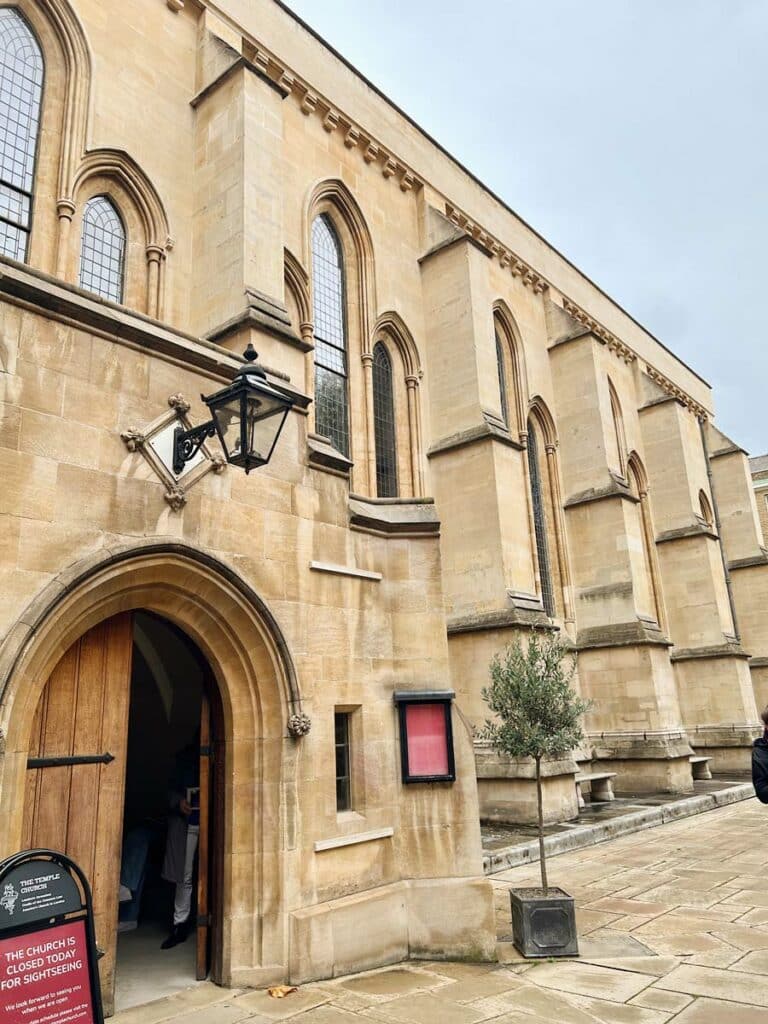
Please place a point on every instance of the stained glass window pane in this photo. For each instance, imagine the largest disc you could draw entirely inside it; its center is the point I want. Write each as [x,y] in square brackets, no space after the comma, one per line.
[102,252]
[331,416]
[540,522]
[502,380]
[384,423]
[21,89]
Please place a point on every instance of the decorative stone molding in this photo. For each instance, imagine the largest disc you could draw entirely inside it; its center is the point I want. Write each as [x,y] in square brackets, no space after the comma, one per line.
[175,5]
[389,168]
[331,121]
[672,389]
[352,138]
[299,724]
[309,103]
[134,439]
[179,403]
[176,498]
[371,153]
[600,332]
[495,249]
[152,441]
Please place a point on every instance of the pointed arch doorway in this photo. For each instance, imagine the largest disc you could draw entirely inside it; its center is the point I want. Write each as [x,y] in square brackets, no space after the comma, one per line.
[127,727]
[247,654]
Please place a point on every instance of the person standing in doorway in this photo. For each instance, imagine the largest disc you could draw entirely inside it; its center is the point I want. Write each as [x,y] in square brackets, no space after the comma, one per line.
[760,762]
[182,839]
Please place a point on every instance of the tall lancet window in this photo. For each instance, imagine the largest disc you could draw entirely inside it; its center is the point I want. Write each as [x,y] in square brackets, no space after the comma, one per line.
[384,423]
[102,252]
[502,379]
[540,521]
[21,90]
[331,411]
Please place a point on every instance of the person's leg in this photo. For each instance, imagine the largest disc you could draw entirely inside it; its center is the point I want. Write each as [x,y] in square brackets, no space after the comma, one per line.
[182,905]
[183,902]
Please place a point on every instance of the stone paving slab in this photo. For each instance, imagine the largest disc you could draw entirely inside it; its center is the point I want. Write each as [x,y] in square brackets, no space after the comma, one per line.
[673,928]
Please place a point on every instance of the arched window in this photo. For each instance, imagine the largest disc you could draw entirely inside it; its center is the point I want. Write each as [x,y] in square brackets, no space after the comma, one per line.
[540,521]
[384,423]
[21,90]
[331,413]
[502,379]
[102,251]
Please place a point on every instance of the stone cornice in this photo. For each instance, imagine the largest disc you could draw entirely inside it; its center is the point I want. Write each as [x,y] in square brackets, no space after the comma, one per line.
[601,333]
[497,250]
[672,389]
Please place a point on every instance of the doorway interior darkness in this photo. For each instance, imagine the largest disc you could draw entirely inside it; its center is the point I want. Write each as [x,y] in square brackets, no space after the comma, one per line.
[170,682]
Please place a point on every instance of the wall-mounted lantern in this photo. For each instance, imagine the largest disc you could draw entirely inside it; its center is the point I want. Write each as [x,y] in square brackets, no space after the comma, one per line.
[247,416]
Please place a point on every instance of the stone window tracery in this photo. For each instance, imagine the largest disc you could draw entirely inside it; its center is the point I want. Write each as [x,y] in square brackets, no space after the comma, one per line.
[384,423]
[102,250]
[21,90]
[330,330]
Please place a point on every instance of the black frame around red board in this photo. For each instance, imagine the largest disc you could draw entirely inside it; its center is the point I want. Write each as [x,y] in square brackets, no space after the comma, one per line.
[71,915]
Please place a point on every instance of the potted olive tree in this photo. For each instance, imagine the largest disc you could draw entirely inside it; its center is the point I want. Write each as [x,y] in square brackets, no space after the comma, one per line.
[537,714]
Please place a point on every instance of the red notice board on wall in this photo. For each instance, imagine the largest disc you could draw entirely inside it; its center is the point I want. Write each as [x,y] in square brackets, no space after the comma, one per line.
[426,736]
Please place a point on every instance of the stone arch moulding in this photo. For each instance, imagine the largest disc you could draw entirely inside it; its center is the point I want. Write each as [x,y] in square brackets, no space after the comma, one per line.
[250,661]
[392,327]
[335,194]
[539,410]
[297,285]
[118,166]
[77,100]
[502,316]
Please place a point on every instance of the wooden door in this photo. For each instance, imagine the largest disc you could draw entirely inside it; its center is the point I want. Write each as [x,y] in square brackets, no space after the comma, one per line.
[77,808]
[203,861]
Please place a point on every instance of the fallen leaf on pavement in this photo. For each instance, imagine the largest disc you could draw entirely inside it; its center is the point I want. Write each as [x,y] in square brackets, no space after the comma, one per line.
[281,991]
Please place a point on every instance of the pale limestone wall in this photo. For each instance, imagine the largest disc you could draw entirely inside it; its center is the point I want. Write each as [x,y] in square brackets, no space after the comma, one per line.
[262,128]
[71,490]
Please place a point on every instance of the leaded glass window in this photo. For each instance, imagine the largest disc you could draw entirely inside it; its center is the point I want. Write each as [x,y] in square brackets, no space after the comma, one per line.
[331,413]
[343,761]
[384,423]
[502,379]
[540,522]
[102,252]
[21,90]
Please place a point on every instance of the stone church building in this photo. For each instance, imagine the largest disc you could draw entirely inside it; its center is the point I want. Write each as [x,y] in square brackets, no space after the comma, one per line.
[479,441]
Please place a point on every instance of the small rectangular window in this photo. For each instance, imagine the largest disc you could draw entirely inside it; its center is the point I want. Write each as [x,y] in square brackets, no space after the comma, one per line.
[343,761]
[426,736]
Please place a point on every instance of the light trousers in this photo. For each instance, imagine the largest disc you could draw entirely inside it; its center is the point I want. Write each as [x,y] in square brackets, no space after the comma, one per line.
[183,902]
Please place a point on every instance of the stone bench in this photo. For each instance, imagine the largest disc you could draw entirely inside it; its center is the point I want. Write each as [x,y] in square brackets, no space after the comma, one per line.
[700,768]
[601,785]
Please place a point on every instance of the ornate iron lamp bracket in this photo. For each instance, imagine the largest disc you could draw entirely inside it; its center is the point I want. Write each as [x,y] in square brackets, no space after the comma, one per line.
[187,443]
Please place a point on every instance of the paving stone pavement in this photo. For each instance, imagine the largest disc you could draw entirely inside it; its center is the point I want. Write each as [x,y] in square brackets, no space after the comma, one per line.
[673,926]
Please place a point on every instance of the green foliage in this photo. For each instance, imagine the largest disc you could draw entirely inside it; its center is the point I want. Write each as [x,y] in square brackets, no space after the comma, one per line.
[537,713]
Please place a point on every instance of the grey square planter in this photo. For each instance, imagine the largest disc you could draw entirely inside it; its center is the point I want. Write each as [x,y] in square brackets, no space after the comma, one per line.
[544,926]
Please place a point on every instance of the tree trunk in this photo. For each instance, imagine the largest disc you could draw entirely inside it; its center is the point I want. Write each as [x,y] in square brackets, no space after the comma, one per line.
[540,801]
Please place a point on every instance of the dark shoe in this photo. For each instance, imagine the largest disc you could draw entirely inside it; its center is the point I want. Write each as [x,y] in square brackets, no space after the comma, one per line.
[179,933]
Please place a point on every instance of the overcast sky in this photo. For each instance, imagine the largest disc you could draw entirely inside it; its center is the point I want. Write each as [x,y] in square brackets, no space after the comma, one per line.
[632,134]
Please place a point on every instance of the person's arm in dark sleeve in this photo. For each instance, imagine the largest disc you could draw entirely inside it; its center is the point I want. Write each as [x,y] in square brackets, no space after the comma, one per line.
[760,774]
